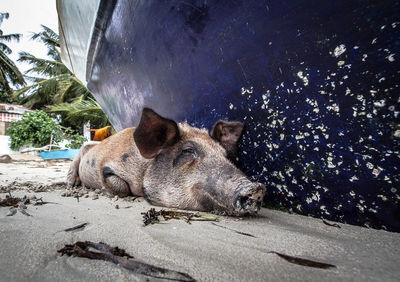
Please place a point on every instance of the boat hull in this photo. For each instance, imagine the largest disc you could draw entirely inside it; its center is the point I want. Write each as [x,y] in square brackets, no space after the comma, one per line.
[316,84]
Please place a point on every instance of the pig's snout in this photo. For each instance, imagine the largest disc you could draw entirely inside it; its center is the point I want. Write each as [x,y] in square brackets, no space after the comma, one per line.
[248,199]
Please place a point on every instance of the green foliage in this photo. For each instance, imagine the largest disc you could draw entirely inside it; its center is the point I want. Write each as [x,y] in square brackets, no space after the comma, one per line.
[80,111]
[51,40]
[54,88]
[76,139]
[5,97]
[9,73]
[52,82]
[35,128]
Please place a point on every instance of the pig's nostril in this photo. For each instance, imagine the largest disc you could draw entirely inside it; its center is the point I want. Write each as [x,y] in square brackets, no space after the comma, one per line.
[251,198]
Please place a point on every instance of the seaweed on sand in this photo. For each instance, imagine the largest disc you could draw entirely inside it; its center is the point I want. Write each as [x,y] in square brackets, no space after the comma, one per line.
[152,216]
[303,262]
[10,201]
[103,251]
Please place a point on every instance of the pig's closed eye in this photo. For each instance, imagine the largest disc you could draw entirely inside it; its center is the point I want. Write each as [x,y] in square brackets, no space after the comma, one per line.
[188,151]
[185,156]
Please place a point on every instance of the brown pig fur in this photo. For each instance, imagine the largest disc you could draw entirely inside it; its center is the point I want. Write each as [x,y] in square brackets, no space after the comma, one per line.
[190,172]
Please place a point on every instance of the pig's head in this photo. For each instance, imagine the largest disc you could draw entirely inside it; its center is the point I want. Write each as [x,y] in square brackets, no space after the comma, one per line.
[190,168]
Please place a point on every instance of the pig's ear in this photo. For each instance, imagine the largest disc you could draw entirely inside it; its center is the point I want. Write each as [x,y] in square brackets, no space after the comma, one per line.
[228,133]
[154,133]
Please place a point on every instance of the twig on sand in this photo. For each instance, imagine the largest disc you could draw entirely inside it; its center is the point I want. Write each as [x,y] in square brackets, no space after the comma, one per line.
[239,232]
[80,226]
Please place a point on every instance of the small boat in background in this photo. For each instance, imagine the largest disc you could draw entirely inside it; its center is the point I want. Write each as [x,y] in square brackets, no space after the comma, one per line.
[59,154]
[52,152]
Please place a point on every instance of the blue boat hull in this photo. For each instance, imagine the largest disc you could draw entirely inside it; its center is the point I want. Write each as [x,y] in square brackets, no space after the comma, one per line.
[316,83]
[59,154]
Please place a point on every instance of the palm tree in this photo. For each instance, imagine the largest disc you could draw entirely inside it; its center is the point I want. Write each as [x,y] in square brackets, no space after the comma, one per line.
[9,72]
[52,82]
[80,111]
[55,88]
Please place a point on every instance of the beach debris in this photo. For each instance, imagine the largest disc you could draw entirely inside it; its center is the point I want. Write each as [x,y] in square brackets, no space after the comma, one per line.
[103,251]
[21,203]
[35,201]
[22,208]
[40,202]
[5,159]
[80,226]
[12,211]
[152,216]
[10,201]
[331,224]
[303,262]
[236,231]
[31,186]
[24,212]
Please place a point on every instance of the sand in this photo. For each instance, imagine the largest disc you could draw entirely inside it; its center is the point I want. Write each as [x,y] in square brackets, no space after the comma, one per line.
[29,244]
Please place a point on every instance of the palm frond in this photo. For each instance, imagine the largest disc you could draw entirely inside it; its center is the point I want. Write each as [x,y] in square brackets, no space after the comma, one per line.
[3,16]
[50,39]
[62,90]
[47,87]
[4,85]
[11,70]
[11,37]
[80,111]
[42,66]
[7,50]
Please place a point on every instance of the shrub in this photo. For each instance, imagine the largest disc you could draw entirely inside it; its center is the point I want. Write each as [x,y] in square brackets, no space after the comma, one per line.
[35,128]
[76,140]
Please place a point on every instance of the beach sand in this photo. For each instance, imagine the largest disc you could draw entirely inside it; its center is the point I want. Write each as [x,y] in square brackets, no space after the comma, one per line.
[207,252]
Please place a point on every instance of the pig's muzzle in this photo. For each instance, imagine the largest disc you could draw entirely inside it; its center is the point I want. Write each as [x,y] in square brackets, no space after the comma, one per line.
[248,198]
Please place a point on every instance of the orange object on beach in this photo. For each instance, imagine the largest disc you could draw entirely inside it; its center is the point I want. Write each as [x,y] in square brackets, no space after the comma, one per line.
[100,134]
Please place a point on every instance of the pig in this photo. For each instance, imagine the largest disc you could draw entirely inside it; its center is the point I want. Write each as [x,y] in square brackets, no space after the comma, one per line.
[172,165]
